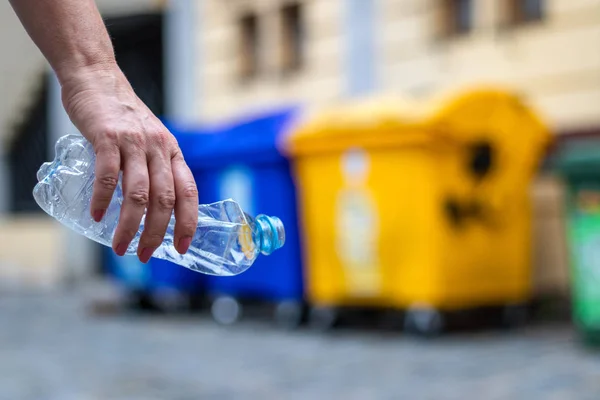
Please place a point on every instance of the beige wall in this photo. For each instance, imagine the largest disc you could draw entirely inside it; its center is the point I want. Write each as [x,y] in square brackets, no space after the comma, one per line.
[30,255]
[555,62]
[222,92]
[20,64]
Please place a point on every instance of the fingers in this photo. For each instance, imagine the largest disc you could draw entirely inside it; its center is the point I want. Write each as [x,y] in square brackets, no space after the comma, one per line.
[186,207]
[108,165]
[156,181]
[160,208]
[136,191]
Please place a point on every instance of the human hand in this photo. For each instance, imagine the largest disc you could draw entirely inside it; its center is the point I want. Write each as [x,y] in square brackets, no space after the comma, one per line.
[127,136]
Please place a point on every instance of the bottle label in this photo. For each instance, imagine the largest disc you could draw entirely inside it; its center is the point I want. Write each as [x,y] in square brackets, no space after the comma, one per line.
[246,242]
[357,227]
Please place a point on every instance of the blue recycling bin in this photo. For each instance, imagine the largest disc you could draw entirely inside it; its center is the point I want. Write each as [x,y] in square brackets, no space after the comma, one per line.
[160,282]
[241,162]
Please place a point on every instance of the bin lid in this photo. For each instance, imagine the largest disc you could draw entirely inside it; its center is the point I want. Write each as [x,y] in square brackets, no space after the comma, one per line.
[483,113]
[249,138]
[374,122]
[496,125]
[494,113]
[189,136]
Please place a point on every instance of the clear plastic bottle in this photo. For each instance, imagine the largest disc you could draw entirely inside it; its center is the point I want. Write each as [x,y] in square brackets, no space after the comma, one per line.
[226,242]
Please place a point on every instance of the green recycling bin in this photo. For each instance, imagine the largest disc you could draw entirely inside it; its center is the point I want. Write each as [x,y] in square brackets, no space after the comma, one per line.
[579,165]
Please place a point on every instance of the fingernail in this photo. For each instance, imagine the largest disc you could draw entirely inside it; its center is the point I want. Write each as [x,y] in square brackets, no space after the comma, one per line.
[121,249]
[184,244]
[146,254]
[98,214]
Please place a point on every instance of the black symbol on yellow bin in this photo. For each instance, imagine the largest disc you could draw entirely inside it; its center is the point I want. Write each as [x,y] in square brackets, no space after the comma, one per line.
[481,159]
[480,162]
[459,213]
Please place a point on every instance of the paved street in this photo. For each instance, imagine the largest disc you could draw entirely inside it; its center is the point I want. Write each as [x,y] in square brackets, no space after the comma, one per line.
[51,348]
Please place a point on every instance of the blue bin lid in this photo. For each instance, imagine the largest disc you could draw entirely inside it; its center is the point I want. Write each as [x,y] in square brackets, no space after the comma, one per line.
[188,136]
[250,139]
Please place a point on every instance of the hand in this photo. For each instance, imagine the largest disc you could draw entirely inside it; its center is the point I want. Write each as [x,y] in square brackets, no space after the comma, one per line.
[127,136]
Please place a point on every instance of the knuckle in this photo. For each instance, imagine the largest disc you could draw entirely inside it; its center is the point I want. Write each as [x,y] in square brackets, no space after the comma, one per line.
[136,139]
[153,239]
[162,139]
[128,232]
[108,182]
[190,190]
[138,197]
[188,226]
[106,146]
[166,201]
[177,155]
[125,232]
[109,136]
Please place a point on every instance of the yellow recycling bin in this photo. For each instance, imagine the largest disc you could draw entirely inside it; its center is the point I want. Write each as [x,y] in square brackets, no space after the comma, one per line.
[423,209]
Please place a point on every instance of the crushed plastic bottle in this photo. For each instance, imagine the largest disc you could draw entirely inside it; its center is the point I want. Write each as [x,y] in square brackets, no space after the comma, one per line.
[227,241]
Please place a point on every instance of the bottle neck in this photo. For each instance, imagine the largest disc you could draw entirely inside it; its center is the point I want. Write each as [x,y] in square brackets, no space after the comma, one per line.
[271,234]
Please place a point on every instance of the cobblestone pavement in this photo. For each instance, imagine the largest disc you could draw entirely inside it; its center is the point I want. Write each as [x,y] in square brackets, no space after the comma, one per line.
[50,348]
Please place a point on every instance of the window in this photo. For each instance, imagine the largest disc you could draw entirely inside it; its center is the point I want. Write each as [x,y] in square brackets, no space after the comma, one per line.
[457,17]
[524,11]
[249,46]
[292,39]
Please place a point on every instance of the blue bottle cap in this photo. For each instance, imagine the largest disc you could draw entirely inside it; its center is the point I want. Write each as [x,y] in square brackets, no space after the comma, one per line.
[272,234]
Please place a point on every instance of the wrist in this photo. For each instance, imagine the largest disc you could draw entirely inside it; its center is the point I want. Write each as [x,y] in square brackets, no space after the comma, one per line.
[72,76]
[94,96]
[106,78]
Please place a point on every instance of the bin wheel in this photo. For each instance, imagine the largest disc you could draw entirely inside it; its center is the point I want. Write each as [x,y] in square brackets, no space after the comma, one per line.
[196,302]
[515,316]
[226,310]
[168,301]
[323,318]
[423,321]
[289,314]
[392,320]
[139,300]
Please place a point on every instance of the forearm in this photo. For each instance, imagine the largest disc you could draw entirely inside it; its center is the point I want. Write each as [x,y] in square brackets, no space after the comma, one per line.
[70,34]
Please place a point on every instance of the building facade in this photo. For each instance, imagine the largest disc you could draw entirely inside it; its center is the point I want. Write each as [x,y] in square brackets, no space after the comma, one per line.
[546,49]
[259,53]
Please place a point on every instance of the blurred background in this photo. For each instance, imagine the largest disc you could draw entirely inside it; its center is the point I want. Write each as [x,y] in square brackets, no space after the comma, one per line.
[437,247]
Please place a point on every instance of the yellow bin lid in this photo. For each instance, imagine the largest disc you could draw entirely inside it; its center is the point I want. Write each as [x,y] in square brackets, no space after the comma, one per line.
[376,122]
[486,113]
[491,113]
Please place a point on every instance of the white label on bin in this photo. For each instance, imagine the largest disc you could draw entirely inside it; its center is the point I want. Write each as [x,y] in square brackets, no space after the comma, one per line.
[357,231]
[355,166]
[236,183]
